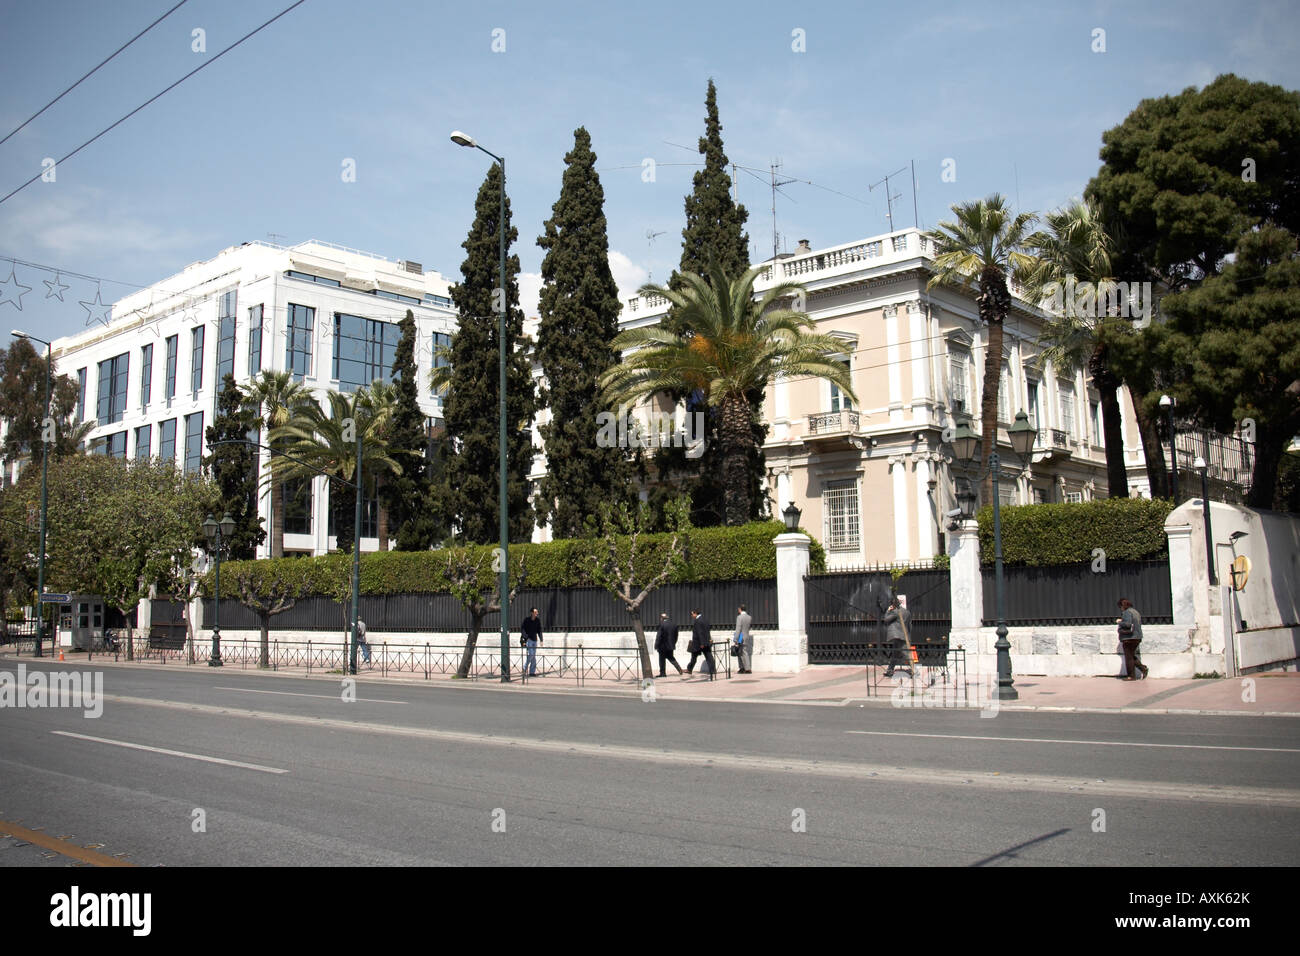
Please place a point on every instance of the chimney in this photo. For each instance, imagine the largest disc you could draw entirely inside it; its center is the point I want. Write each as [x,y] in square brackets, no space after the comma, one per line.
[803,247]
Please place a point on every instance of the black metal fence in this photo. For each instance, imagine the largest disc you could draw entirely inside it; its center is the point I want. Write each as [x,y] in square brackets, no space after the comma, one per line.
[560,609]
[846,609]
[1075,594]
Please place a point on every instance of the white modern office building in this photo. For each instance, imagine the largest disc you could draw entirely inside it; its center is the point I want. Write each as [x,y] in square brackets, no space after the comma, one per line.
[149,378]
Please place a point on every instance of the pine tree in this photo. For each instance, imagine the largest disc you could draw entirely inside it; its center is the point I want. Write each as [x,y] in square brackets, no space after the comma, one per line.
[714,232]
[234,468]
[579,318]
[468,494]
[406,496]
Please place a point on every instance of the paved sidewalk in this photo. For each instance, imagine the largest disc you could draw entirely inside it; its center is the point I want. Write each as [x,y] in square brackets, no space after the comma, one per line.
[1266,694]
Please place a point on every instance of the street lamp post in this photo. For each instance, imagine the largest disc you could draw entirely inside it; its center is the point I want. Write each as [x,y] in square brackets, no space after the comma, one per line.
[1167,403]
[464,139]
[966,446]
[45,470]
[217,535]
[1201,466]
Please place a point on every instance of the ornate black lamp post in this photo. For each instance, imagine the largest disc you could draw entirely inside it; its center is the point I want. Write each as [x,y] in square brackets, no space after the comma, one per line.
[791,515]
[965,445]
[217,535]
[1167,404]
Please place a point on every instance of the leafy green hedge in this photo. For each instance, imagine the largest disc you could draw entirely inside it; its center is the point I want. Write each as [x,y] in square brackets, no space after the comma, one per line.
[713,554]
[1127,529]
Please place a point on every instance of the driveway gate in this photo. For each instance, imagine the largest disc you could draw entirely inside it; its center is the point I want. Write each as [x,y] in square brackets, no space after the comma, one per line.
[845,610]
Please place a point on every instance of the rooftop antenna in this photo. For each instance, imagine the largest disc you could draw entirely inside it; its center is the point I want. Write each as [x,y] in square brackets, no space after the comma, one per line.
[275,238]
[889,198]
[776,188]
[915,219]
[650,235]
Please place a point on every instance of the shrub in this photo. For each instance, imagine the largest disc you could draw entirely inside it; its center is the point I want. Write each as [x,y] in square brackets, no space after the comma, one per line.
[713,554]
[1127,529]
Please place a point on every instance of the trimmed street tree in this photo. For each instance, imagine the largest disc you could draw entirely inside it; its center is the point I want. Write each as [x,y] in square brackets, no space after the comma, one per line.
[579,318]
[625,574]
[984,245]
[267,590]
[469,495]
[477,587]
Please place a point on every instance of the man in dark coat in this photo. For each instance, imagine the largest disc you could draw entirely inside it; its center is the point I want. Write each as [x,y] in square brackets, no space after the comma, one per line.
[898,628]
[666,644]
[701,642]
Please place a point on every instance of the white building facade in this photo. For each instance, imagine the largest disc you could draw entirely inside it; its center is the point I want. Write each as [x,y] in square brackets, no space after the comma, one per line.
[149,378]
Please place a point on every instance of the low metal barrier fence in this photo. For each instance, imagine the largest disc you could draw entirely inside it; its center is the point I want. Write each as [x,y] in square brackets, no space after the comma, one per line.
[935,662]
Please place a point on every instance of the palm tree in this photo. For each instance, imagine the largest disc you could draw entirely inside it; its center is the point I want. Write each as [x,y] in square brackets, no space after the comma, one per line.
[278,397]
[328,443]
[381,399]
[737,344]
[984,245]
[1077,247]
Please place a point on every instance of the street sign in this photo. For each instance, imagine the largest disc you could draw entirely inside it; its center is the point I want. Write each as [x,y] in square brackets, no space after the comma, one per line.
[54,598]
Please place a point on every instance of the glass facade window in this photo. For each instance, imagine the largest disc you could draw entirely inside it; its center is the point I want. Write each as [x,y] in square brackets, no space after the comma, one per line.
[167,440]
[112,389]
[193,442]
[254,340]
[81,394]
[297,357]
[843,526]
[114,446]
[143,438]
[840,401]
[169,385]
[369,516]
[146,375]
[308,277]
[432,299]
[1032,409]
[196,359]
[441,342]
[957,382]
[1066,396]
[225,338]
[363,350]
[395,296]
[297,506]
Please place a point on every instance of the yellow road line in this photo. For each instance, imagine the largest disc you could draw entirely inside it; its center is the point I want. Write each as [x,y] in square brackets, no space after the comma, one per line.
[63,847]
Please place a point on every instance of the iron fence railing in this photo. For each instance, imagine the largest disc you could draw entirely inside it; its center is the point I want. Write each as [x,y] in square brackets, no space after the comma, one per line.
[1081,594]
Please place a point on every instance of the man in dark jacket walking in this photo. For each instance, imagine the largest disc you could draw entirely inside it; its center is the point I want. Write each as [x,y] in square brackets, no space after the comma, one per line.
[701,642]
[666,644]
[1130,637]
[532,636]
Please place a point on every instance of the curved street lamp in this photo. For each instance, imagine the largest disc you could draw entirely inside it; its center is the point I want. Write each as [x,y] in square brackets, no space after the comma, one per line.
[965,444]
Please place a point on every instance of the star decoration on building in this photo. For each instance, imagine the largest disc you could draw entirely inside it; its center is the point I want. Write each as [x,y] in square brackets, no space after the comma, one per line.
[56,288]
[93,307]
[9,287]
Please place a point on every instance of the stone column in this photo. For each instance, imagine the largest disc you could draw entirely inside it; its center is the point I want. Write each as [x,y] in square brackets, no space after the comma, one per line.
[786,651]
[967,592]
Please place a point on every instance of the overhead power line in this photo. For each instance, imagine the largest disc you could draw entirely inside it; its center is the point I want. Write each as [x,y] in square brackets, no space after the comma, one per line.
[92,72]
[156,96]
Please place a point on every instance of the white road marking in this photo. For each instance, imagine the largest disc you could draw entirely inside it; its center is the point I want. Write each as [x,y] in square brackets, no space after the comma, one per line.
[1094,743]
[289,693]
[170,753]
[1084,787]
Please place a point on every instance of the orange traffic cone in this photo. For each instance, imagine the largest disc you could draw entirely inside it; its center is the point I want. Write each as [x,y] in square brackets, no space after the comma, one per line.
[60,655]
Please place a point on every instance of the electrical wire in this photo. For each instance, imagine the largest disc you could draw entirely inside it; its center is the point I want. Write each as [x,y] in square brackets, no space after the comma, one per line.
[92,72]
[204,65]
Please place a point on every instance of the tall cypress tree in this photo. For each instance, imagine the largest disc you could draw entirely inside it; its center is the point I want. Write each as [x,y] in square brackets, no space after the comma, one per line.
[579,317]
[468,495]
[234,468]
[715,232]
[406,496]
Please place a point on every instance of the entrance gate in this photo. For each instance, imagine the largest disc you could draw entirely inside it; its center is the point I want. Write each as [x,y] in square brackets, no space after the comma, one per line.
[845,610]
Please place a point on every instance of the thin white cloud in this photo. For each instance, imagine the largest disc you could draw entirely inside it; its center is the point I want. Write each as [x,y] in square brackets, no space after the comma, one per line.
[628,276]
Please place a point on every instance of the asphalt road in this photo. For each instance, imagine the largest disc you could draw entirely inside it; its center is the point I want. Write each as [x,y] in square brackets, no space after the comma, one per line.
[285,771]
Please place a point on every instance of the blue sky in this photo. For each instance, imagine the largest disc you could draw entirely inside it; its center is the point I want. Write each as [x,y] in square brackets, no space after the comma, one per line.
[255,144]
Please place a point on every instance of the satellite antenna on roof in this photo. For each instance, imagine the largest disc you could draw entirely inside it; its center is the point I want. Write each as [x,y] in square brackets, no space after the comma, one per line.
[650,235]
[889,198]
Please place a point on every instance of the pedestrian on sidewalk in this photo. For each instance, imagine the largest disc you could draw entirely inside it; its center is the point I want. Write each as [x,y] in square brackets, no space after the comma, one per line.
[898,620]
[666,644]
[701,642]
[532,637]
[362,644]
[744,641]
[1130,636]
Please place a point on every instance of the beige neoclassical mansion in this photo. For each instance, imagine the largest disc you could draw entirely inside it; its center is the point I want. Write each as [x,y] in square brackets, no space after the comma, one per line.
[874,477]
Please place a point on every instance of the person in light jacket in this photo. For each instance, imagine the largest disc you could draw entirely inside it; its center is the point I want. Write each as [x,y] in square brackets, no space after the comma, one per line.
[745,639]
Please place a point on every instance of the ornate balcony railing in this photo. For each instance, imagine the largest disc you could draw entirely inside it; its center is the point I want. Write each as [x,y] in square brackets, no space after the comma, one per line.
[829,422]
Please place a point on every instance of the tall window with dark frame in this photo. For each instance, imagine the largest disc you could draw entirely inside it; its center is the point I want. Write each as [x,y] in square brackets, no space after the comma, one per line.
[254,340]
[298,506]
[297,359]
[81,394]
[112,389]
[167,440]
[146,375]
[143,438]
[225,338]
[193,442]
[363,350]
[169,383]
[114,446]
[196,359]
[369,513]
